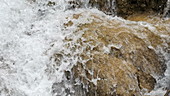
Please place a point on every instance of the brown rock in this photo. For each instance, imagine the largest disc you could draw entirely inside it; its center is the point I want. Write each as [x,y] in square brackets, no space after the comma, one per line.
[115,59]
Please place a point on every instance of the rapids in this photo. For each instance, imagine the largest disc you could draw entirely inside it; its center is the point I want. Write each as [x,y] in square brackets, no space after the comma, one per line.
[38,39]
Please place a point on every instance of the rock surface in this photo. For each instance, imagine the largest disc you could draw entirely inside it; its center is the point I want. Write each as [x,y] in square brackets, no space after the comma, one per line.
[107,6]
[129,7]
[117,58]
[125,8]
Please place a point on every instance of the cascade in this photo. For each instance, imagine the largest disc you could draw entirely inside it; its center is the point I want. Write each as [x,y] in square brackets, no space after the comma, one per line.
[167,9]
[70,48]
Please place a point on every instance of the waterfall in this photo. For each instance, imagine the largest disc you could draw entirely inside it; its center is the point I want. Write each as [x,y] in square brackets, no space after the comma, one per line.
[107,6]
[41,41]
[167,9]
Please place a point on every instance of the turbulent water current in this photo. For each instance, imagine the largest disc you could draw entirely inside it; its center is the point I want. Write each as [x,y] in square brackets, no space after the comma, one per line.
[32,33]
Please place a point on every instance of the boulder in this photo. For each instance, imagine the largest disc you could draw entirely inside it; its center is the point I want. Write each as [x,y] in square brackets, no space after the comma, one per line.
[116,58]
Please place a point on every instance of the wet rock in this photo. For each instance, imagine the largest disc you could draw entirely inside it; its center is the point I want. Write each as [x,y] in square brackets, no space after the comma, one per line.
[107,6]
[167,10]
[118,58]
[145,80]
[125,8]
[167,93]
[50,3]
[167,14]
[74,4]
[129,7]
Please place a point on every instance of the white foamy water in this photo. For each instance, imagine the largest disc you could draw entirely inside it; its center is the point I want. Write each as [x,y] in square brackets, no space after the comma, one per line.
[30,34]
[26,33]
[167,9]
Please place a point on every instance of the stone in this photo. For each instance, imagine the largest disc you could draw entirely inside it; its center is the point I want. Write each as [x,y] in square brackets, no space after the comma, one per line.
[167,93]
[126,8]
[107,6]
[117,58]
[129,7]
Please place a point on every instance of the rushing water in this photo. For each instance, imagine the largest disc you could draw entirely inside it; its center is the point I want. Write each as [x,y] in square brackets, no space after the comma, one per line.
[167,9]
[30,34]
